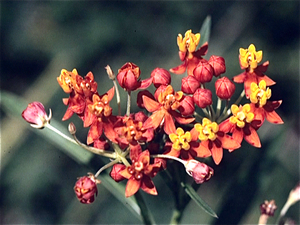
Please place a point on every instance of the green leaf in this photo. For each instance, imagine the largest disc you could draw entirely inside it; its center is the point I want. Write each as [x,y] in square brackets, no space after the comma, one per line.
[205,31]
[199,201]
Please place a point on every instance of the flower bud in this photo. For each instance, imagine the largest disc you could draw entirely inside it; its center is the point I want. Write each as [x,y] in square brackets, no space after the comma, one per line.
[189,84]
[203,72]
[187,106]
[199,171]
[35,114]
[86,188]
[224,88]
[160,76]
[218,65]
[202,97]
[128,76]
[268,208]
[114,173]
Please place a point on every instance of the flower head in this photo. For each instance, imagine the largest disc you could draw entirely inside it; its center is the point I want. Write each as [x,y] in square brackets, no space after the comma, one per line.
[86,188]
[199,171]
[249,58]
[181,139]
[189,42]
[35,114]
[241,115]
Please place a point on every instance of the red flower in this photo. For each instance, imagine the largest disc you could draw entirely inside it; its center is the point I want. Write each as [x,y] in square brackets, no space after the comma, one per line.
[139,174]
[160,76]
[214,139]
[115,172]
[203,72]
[164,109]
[202,97]
[86,189]
[189,84]
[35,114]
[224,88]
[218,65]
[199,171]
[128,78]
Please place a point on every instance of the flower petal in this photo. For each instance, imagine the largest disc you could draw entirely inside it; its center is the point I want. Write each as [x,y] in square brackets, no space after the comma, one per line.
[147,186]
[154,120]
[150,104]
[253,138]
[217,154]
[132,186]
[179,69]
[169,125]
[146,83]
[201,149]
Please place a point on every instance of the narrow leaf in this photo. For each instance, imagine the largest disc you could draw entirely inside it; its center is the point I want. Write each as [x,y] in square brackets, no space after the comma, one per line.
[199,201]
[205,31]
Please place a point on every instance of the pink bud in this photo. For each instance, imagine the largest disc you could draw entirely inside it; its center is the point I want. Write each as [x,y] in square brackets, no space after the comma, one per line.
[187,106]
[115,172]
[203,72]
[224,88]
[160,76]
[35,114]
[199,171]
[202,97]
[128,76]
[218,65]
[86,188]
[189,84]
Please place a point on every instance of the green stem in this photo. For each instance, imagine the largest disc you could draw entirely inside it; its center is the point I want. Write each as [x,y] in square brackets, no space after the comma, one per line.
[146,214]
[128,103]
[50,127]
[106,166]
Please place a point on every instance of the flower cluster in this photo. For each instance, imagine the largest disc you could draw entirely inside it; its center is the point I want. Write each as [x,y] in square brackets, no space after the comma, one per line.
[183,125]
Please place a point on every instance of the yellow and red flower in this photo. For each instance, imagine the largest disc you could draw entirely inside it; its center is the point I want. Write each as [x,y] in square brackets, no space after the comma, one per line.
[249,60]
[139,174]
[262,108]
[242,125]
[86,188]
[185,145]
[214,139]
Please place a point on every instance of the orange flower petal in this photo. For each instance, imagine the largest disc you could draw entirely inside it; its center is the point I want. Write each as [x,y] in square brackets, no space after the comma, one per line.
[150,104]
[148,186]
[228,142]
[169,125]
[132,186]
[217,154]
[154,120]
[253,138]
[179,69]
[201,149]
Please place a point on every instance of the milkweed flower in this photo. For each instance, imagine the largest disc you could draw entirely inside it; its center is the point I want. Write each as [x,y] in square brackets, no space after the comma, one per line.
[185,145]
[139,174]
[242,125]
[36,115]
[249,60]
[262,108]
[86,188]
[214,139]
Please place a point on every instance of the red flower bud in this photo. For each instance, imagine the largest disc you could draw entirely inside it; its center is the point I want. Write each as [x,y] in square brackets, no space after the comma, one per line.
[35,114]
[189,84]
[128,76]
[86,188]
[224,88]
[159,90]
[187,106]
[268,208]
[203,72]
[114,173]
[218,65]
[160,76]
[199,171]
[202,97]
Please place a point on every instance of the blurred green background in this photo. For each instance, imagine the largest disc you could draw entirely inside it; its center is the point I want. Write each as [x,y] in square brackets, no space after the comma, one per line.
[38,39]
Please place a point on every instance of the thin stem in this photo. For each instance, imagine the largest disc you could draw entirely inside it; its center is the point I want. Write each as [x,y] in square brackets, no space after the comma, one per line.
[240,97]
[128,103]
[95,150]
[60,133]
[212,112]
[169,157]
[106,166]
[118,96]
[198,116]
[205,112]
[219,105]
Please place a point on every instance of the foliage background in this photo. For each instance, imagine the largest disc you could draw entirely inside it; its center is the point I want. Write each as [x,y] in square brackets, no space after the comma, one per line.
[38,39]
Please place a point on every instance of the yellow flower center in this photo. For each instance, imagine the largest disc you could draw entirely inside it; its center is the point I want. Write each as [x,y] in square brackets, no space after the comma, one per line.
[260,93]
[250,57]
[207,130]
[189,42]
[181,139]
[241,115]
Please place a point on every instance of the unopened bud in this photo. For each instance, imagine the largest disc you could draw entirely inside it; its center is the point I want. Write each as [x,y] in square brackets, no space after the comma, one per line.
[110,73]
[72,128]
[199,171]
[86,188]
[35,114]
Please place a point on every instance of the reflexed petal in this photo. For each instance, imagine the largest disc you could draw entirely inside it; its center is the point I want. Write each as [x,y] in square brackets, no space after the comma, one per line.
[179,69]
[110,93]
[148,186]
[273,117]
[154,120]
[94,132]
[146,83]
[169,125]
[132,187]
[201,149]
[217,154]
[240,78]
[228,142]
[253,138]
[150,104]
